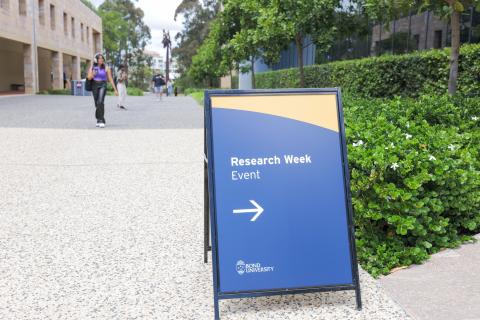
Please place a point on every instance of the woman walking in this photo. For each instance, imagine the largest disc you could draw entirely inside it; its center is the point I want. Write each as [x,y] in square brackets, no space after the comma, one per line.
[122,87]
[100,73]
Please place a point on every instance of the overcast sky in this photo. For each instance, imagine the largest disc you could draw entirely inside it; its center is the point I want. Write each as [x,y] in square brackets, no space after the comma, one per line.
[158,16]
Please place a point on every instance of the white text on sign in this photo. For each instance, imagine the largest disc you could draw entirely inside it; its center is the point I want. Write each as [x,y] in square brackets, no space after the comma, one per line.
[288,159]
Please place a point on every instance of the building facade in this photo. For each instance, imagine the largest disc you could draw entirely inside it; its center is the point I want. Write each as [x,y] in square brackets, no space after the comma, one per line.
[158,64]
[288,59]
[173,68]
[46,43]
[423,31]
[416,31]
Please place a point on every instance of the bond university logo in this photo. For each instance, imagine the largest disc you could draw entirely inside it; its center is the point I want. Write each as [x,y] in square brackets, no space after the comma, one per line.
[240,267]
[256,267]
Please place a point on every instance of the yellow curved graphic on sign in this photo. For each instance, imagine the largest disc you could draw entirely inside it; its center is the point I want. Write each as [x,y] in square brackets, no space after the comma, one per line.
[316,109]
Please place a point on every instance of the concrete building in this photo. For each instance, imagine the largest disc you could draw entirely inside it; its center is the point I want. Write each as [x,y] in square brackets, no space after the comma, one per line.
[157,60]
[422,31]
[288,59]
[174,74]
[425,31]
[158,64]
[44,42]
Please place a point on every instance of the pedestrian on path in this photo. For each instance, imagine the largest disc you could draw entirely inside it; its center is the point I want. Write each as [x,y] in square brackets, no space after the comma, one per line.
[170,88]
[100,74]
[158,83]
[122,87]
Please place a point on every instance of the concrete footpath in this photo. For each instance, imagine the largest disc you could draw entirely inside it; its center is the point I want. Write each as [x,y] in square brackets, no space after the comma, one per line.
[447,287]
[107,223]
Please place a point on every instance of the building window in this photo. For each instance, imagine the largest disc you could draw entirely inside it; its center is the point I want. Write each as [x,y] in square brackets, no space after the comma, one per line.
[81,32]
[96,41]
[65,24]
[4,4]
[41,11]
[437,40]
[52,17]
[73,27]
[22,7]
[88,35]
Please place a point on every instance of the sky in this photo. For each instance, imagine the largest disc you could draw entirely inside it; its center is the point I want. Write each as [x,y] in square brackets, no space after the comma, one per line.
[158,16]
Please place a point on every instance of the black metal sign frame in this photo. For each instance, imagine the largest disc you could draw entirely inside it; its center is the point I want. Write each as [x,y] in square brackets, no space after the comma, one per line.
[210,223]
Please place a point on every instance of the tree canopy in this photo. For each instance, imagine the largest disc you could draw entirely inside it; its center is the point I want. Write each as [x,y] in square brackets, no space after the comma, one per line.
[251,29]
[198,16]
[246,30]
[124,29]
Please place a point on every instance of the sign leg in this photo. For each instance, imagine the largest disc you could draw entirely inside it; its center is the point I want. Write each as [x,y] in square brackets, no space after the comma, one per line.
[217,309]
[206,218]
[358,298]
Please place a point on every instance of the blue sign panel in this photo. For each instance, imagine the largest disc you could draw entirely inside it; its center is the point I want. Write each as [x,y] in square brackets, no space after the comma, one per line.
[278,185]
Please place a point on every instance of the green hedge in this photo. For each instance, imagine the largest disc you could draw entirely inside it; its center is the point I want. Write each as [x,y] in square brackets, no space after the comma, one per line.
[189,91]
[134,91]
[386,76]
[415,176]
[131,91]
[198,96]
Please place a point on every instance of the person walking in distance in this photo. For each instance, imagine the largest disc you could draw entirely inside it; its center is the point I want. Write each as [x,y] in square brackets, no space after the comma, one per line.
[170,88]
[100,74]
[158,83]
[122,88]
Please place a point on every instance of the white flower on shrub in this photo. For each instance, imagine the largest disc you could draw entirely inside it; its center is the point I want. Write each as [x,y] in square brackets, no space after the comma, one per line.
[431,158]
[452,147]
[394,166]
[358,143]
[408,125]
[408,136]
[391,146]
[474,118]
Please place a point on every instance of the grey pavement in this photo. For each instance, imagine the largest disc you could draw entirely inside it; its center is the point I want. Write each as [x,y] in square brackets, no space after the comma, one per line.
[107,223]
[61,112]
[446,287]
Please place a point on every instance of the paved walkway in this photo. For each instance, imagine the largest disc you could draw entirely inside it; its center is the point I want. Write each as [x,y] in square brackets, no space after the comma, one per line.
[447,287]
[107,223]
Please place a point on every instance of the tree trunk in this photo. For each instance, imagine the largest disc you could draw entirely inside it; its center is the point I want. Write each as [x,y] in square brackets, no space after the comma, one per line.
[299,43]
[252,68]
[167,65]
[455,24]
[126,60]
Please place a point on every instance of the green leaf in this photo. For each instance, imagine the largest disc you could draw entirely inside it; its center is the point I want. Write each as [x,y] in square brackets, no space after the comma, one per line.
[427,244]
[459,6]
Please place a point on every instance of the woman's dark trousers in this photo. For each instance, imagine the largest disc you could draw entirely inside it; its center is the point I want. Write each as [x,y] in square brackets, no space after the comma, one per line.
[99,89]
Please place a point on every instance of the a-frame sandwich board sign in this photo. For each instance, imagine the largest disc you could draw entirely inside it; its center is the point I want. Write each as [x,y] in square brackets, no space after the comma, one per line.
[278,191]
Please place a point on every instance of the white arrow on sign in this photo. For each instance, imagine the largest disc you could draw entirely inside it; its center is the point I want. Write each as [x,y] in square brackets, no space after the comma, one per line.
[257,209]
